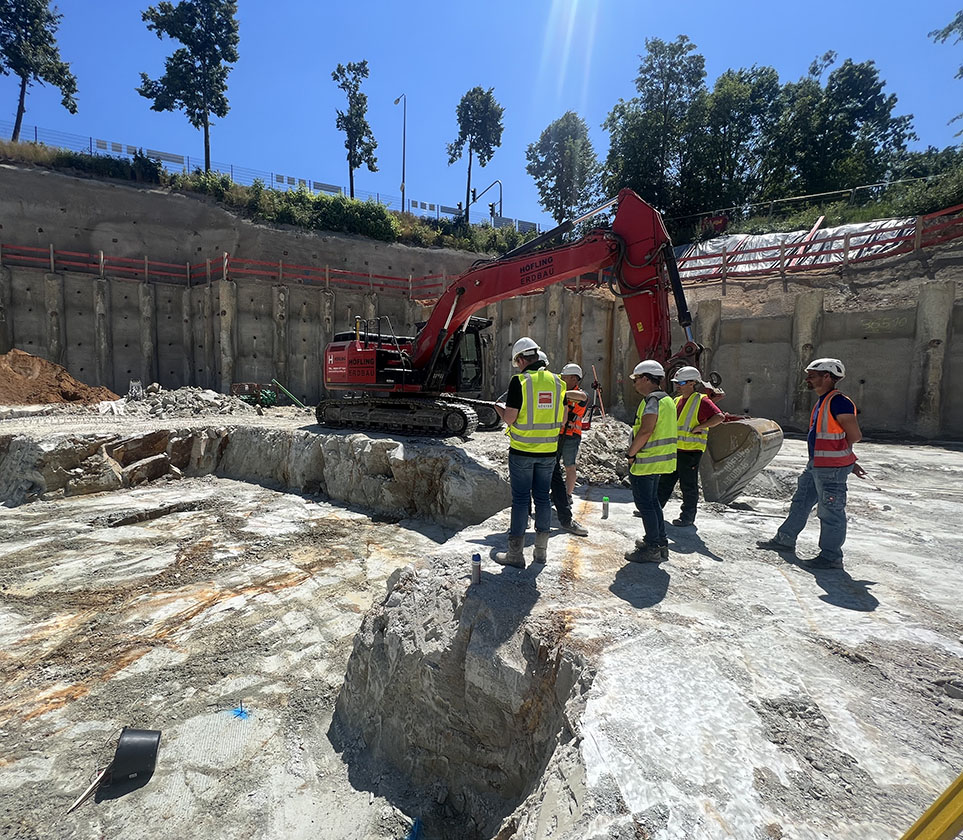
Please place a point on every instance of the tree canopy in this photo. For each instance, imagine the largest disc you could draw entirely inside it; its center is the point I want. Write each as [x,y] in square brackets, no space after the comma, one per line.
[688,149]
[565,167]
[358,137]
[954,29]
[479,128]
[195,75]
[28,49]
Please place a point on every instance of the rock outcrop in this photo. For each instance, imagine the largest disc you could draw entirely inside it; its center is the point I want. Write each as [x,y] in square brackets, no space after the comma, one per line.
[397,479]
[463,694]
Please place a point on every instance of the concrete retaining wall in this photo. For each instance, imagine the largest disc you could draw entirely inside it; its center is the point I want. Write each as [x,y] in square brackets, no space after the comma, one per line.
[905,361]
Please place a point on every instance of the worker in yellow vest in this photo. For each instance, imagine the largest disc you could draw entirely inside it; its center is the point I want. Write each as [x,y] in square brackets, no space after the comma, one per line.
[833,431]
[651,453]
[534,409]
[696,414]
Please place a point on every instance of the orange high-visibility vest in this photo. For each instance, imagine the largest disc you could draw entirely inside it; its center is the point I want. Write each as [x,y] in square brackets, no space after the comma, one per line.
[831,448]
[576,411]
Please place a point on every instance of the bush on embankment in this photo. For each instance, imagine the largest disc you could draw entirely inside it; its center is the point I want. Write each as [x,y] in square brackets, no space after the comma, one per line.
[300,208]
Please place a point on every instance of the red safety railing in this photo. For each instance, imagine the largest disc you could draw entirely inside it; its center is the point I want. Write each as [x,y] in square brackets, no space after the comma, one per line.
[843,248]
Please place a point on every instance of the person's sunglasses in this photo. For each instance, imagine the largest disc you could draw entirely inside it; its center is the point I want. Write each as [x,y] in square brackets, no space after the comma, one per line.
[682,381]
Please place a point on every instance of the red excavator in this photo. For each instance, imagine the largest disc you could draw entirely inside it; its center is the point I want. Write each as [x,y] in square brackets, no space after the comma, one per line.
[432,383]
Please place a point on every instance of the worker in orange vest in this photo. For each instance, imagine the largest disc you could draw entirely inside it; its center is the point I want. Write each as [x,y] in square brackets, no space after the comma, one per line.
[833,431]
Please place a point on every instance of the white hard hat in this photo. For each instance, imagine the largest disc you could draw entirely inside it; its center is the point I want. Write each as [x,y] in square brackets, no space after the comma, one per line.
[571,369]
[688,373]
[543,356]
[524,346]
[649,366]
[833,366]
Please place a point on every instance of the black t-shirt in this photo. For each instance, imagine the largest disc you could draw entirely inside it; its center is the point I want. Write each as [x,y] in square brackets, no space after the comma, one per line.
[514,398]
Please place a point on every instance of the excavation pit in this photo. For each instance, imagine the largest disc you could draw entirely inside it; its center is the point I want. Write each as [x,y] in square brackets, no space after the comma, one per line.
[724,693]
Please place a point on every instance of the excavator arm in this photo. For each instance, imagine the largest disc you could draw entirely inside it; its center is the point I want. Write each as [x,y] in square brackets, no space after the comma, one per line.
[634,257]
[635,254]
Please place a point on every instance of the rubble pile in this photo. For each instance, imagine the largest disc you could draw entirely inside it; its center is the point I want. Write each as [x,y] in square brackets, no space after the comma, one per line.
[31,380]
[188,401]
[601,456]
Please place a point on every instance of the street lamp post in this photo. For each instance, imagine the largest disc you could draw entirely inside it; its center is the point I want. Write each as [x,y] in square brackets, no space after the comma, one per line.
[404,138]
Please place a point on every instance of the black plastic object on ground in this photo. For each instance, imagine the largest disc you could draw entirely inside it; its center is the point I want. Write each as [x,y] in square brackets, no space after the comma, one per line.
[136,755]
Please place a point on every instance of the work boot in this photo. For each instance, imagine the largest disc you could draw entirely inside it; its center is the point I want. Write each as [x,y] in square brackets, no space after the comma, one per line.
[572,526]
[541,547]
[646,553]
[821,562]
[684,521]
[514,556]
[664,551]
[775,545]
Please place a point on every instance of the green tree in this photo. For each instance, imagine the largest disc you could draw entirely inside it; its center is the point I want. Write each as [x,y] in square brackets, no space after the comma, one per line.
[739,110]
[28,49]
[195,75]
[648,134]
[953,28]
[565,167]
[480,128]
[358,139]
[837,136]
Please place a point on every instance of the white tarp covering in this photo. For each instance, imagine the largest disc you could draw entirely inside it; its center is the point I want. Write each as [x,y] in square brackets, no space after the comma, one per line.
[755,254]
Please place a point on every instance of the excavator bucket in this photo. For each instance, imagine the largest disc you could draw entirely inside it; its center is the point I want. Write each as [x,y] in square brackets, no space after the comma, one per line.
[737,451]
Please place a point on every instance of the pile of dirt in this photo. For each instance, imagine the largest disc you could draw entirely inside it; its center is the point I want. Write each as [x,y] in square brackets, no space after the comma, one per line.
[30,380]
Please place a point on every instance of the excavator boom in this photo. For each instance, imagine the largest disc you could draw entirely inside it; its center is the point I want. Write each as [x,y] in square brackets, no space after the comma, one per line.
[410,385]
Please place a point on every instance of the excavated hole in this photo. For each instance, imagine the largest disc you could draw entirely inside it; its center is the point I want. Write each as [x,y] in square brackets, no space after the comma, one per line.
[200,575]
[451,709]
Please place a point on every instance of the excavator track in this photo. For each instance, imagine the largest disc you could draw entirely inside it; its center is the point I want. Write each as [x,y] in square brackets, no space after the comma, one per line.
[488,419]
[407,416]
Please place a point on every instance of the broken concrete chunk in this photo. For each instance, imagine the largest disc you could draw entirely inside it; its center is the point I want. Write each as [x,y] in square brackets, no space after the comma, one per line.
[149,469]
[98,474]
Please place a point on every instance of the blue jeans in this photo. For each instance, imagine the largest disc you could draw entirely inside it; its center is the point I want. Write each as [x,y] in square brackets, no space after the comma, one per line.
[825,489]
[531,478]
[645,492]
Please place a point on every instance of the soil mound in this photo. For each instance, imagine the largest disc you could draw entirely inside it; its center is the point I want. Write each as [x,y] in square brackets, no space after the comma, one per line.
[30,380]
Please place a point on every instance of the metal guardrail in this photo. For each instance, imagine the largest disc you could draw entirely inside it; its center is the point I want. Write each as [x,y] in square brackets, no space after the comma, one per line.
[925,232]
[842,249]
[149,270]
[242,174]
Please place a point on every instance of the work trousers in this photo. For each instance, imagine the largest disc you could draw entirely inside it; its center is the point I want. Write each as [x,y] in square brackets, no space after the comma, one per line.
[645,492]
[825,489]
[563,507]
[687,474]
[530,477]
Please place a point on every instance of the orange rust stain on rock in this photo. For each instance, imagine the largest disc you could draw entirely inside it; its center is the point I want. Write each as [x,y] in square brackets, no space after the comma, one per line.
[114,658]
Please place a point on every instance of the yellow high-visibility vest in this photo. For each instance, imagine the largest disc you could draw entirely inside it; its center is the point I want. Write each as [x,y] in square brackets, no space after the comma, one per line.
[659,453]
[536,428]
[689,439]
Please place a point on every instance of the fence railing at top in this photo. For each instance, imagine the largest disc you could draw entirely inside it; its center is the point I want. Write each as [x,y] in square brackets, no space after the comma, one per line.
[839,249]
[834,250]
[147,270]
[246,176]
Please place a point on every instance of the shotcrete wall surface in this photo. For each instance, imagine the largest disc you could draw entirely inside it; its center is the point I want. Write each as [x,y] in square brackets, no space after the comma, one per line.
[902,315]
[39,207]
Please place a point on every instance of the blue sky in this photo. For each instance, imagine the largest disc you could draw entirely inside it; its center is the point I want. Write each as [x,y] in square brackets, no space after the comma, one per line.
[542,57]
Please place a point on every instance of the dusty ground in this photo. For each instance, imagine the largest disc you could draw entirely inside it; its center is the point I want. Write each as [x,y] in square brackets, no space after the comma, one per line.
[734,693]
